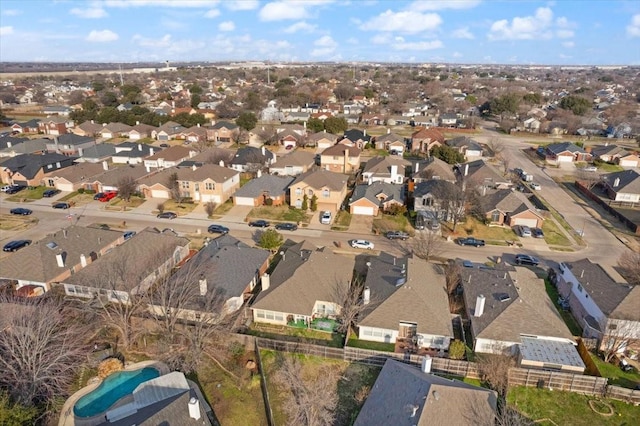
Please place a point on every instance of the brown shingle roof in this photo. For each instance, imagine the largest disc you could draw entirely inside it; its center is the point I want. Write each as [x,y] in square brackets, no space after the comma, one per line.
[172,153]
[318,179]
[340,149]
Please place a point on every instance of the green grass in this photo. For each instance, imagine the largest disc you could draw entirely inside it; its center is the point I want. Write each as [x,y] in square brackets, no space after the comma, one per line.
[568,319]
[552,234]
[496,235]
[615,375]
[474,382]
[280,213]
[223,209]
[568,408]
[28,194]
[354,342]
[389,222]
[609,168]
[342,222]
[294,334]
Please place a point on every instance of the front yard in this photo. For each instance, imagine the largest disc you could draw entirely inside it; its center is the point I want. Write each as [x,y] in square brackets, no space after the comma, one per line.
[10,222]
[28,194]
[473,227]
[179,208]
[280,214]
[386,222]
[552,234]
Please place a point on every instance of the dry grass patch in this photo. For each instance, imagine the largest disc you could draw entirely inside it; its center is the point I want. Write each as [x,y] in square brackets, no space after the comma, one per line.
[9,222]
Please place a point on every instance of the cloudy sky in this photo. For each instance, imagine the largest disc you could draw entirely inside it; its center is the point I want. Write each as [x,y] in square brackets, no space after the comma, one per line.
[454,31]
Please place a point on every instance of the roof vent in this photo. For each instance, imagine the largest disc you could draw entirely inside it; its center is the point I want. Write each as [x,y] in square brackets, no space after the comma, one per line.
[400,281]
[436,395]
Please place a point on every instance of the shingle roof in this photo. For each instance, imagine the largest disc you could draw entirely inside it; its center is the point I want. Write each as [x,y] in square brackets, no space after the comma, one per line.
[370,192]
[273,185]
[340,149]
[114,175]
[73,139]
[116,127]
[438,169]
[355,134]
[381,166]
[252,155]
[304,276]
[100,150]
[78,172]
[28,165]
[434,185]
[560,147]
[224,125]
[315,137]
[90,127]
[433,134]
[318,179]
[172,153]
[296,158]
[415,292]
[600,150]
[481,173]
[629,181]
[10,140]
[507,201]
[401,388]
[29,146]
[389,137]
[214,172]
[464,141]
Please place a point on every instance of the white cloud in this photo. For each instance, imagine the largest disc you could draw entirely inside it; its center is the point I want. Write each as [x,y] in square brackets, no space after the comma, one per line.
[242,4]
[463,33]
[227,26]
[353,40]
[418,45]
[568,44]
[161,3]
[325,45]
[564,33]
[11,12]
[301,26]
[102,36]
[633,29]
[280,10]
[213,13]
[406,22]
[4,31]
[421,5]
[524,28]
[381,39]
[89,13]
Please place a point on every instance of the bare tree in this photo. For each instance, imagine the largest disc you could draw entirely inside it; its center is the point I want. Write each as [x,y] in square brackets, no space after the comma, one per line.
[311,402]
[629,262]
[496,146]
[494,370]
[588,179]
[453,200]
[126,187]
[209,208]
[616,337]
[216,155]
[174,187]
[41,346]
[427,245]
[351,304]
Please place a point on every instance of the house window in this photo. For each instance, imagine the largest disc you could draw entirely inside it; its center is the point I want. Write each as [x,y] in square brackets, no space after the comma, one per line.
[298,203]
[310,192]
[298,191]
[613,326]
[427,201]
[326,193]
[49,166]
[58,164]
[184,185]
[209,186]
[495,217]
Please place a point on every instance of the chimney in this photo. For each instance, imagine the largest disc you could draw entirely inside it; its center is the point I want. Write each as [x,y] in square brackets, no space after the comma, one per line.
[324,131]
[466,169]
[264,151]
[426,364]
[147,168]
[60,260]
[194,167]
[266,282]
[416,167]
[305,125]
[388,130]
[194,408]
[105,165]
[104,124]
[139,147]
[8,144]
[92,122]
[364,132]
[479,306]
[137,123]
[259,174]
[173,104]
[616,182]
[366,295]
[582,274]
[64,233]
[606,144]
[150,151]
[198,124]
[221,163]
[203,285]
[394,170]
[83,260]
[80,152]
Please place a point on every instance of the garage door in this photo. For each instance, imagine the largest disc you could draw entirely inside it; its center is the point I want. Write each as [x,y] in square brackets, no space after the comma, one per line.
[159,193]
[367,211]
[243,201]
[67,187]
[629,163]
[531,223]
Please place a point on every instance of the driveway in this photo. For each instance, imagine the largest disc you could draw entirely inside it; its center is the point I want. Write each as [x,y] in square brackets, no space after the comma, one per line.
[237,214]
[361,224]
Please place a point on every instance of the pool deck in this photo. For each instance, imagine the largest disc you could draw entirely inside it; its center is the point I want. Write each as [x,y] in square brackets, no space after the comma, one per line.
[67,418]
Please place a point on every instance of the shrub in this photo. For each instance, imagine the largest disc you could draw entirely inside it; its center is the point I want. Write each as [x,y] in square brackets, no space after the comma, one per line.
[268,202]
[209,208]
[457,349]
[160,207]
[80,190]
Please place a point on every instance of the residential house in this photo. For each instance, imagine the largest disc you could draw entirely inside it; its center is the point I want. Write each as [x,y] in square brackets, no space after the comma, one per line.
[432,168]
[169,130]
[293,164]
[130,268]
[329,188]
[257,191]
[110,178]
[322,140]
[482,176]
[61,110]
[251,159]
[390,142]
[208,183]
[10,141]
[369,199]
[29,169]
[565,152]
[300,292]
[30,126]
[431,199]
[96,153]
[448,120]
[358,137]
[73,177]
[289,139]
[603,303]
[70,144]
[300,130]
[510,208]
[58,256]
[532,125]
[622,186]
[466,146]
[129,152]
[388,169]
[373,119]
[340,158]
[169,157]
[55,125]
[296,117]
[399,120]
[424,139]
[407,304]
[194,134]
[115,130]
[88,128]
[28,146]
[615,154]
[405,395]
[222,132]
[140,131]
[506,305]
[221,278]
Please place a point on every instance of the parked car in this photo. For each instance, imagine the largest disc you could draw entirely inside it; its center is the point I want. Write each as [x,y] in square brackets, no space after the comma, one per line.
[535,186]
[467,264]
[50,193]
[537,233]
[129,234]
[259,223]
[61,205]
[5,188]
[15,245]
[13,189]
[525,259]
[470,241]
[107,196]
[522,230]
[362,244]
[286,226]
[217,229]
[98,195]
[397,235]
[625,366]
[167,215]
[590,169]
[20,211]
[325,218]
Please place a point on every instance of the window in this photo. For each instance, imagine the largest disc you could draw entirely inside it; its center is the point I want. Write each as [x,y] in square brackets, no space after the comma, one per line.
[428,201]
[260,314]
[184,185]
[310,192]
[613,326]
[58,164]
[209,186]
[495,217]
[298,191]
[49,166]
[326,193]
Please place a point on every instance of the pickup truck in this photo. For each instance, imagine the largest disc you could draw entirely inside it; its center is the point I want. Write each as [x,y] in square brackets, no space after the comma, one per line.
[470,241]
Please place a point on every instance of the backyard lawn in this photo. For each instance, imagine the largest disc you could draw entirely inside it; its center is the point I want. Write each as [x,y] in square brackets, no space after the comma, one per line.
[615,375]
[354,342]
[296,334]
[567,408]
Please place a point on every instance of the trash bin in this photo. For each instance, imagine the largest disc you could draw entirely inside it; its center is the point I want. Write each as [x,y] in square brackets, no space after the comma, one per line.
[540,384]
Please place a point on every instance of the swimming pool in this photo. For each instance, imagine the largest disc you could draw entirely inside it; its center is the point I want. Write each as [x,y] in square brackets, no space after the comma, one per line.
[111,390]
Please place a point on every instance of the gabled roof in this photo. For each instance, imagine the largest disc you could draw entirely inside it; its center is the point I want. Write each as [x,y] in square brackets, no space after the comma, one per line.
[435,167]
[315,137]
[304,275]
[32,124]
[629,181]
[73,139]
[252,155]
[405,396]
[389,137]
[205,172]
[407,289]
[143,128]
[432,186]
[481,173]
[355,134]
[433,134]
[89,127]
[78,172]
[560,147]
[506,201]
[371,192]
[340,150]
[224,125]
[10,140]
[381,166]
[55,119]
[38,263]
[296,158]
[28,146]
[114,175]
[129,149]
[99,151]
[28,165]
[173,153]
[170,128]
[318,179]
[610,150]
[266,184]
[116,127]
[464,141]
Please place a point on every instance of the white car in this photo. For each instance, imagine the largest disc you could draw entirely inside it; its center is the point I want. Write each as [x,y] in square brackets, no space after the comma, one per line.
[590,169]
[325,218]
[535,186]
[362,244]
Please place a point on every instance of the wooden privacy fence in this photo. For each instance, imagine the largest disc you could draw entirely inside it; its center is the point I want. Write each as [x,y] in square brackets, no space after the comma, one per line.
[300,348]
[623,394]
[588,385]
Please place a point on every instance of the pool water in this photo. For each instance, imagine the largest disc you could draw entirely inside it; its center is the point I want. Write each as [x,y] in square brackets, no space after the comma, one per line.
[111,389]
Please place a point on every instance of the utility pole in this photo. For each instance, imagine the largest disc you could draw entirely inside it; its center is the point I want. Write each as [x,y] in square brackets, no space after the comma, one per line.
[121,78]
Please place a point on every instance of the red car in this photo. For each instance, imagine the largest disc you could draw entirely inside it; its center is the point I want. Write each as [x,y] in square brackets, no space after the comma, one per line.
[108,196]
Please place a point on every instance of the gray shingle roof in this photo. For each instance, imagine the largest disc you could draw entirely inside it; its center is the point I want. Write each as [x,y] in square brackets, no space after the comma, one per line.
[29,146]
[560,147]
[73,139]
[273,185]
[481,173]
[464,141]
[10,140]
[436,167]
[370,192]
[78,172]
[318,179]
[252,155]
[629,181]
[429,186]
[296,158]
[28,165]
[401,388]
[114,175]
[100,150]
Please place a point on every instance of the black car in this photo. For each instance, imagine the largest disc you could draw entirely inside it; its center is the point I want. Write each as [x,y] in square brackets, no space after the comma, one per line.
[61,205]
[129,234]
[98,195]
[397,235]
[16,245]
[20,211]
[470,241]
[286,226]
[525,259]
[537,233]
[167,215]
[15,188]
[259,223]
[217,229]
[50,193]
